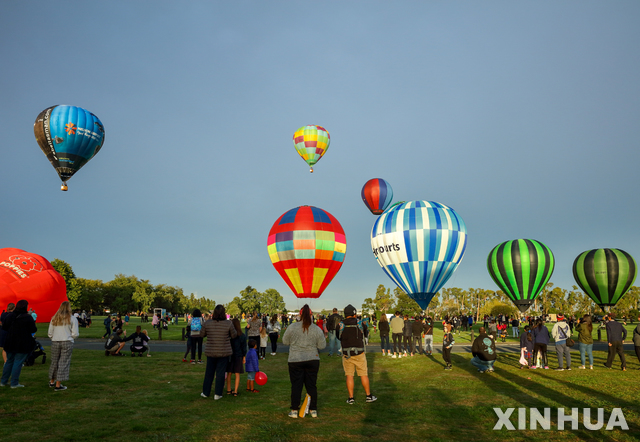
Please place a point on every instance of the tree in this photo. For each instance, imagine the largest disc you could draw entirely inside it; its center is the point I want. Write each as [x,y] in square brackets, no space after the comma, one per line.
[143,295]
[368,306]
[233,307]
[91,294]
[405,304]
[119,293]
[250,298]
[73,290]
[383,300]
[271,302]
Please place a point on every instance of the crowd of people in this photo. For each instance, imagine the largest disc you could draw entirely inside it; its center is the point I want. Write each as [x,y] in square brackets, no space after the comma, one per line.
[230,350]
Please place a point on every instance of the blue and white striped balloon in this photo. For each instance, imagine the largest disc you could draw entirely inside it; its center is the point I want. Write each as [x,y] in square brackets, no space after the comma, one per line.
[419,245]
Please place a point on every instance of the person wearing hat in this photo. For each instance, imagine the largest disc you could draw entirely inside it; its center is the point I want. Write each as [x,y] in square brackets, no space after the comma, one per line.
[561,333]
[354,359]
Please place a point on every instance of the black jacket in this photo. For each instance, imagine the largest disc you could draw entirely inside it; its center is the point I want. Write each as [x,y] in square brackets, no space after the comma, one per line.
[484,347]
[383,326]
[19,327]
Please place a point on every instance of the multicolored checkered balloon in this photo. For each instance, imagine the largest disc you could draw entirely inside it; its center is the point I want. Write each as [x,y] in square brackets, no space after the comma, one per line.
[311,142]
[419,245]
[307,246]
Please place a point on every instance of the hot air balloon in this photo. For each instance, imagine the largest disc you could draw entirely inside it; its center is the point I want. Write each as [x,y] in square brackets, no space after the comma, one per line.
[521,268]
[69,136]
[307,247]
[605,274]
[377,195]
[419,245]
[311,142]
[29,276]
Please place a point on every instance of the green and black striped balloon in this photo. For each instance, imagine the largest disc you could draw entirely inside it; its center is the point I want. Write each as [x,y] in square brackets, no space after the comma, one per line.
[605,274]
[521,268]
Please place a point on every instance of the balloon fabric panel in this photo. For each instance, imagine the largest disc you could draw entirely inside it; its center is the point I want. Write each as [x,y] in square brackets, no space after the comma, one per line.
[311,143]
[307,247]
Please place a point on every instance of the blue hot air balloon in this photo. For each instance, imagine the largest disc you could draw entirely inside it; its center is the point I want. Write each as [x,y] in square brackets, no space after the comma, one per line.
[419,245]
[69,136]
[377,195]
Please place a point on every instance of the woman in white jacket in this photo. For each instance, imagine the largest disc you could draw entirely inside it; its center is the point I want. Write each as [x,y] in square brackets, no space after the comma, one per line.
[63,329]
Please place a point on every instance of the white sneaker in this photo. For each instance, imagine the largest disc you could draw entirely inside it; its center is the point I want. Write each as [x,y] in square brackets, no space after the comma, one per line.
[394,356]
[293,414]
[273,354]
[582,367]
[313,413]
[203,395]
[216,397]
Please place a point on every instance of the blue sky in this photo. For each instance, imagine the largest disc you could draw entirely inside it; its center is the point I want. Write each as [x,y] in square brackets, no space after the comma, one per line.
[522,116]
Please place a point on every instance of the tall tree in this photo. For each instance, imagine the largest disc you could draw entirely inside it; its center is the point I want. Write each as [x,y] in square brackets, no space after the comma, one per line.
[271,302]
[383,300]
[250,300]
[73,289]
[405,304]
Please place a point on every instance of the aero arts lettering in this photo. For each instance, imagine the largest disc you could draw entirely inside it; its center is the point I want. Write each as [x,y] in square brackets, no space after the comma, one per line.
[386,248]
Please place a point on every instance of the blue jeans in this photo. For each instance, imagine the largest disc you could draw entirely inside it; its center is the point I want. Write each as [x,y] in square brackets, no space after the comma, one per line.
[334,343]
[215,367]
[384,343]
[482,365]
[13,367]
[589,349]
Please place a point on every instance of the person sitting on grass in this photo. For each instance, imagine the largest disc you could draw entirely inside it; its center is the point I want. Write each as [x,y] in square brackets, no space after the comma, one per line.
[484,352]
[139,340]
[115,343]
[252,365]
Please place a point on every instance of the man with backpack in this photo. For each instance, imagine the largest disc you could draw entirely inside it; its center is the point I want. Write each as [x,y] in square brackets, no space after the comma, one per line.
[333,330]
[561,333]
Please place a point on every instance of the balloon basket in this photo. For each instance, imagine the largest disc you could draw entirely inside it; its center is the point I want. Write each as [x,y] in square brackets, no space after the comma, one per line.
[64,187]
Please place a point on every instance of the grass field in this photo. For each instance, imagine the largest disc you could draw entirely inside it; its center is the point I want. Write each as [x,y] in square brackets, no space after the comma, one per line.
[158,399]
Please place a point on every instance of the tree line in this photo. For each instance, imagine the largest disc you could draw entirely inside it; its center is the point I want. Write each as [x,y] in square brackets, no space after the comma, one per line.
[480,302]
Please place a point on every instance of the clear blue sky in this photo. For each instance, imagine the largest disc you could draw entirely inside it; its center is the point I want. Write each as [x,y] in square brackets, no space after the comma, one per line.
[522,116]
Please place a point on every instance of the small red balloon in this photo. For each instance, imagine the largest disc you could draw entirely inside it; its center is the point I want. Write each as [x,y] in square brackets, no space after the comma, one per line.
[261,378]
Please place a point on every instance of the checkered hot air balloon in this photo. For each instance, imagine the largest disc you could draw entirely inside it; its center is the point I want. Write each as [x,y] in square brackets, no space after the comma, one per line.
[419,245]
[377,194]
[307,247]
[311,142]
[521,268]
[605,274]
[69,136]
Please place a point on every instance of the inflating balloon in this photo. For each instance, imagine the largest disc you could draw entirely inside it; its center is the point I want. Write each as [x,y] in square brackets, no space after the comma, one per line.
[69,136]
[311,142]
[261,378]
[307,247]
[521,268]
[29,276]
[377,195]
[419,245]
[605,274]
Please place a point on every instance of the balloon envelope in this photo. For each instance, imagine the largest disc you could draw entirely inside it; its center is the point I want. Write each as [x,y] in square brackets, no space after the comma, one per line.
[307,247]
[29,276]
[69,136]
[377,194]
[419,245]
[311,143]
[605,274]
[261,378]
[521,268]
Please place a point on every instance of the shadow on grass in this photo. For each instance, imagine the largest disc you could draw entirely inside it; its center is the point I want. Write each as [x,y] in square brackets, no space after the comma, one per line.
[522,390]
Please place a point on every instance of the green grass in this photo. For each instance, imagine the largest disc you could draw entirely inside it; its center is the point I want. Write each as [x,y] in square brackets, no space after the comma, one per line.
[157,399]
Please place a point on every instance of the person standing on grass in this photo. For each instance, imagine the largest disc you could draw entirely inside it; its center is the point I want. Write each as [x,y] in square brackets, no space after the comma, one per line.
[484,352]
[264,340]
[561,332]
[304,342]
[19,342]
[353,354]
[541,340]
[197,324]
[189,343]
[515,327]
[416,330]
[397,326]
[273,328]
[616,334]
[333,321]
[254,326]
[585,340]
[3,334]
[107,326]
[447,344]
[407,334]
[428,336]
[526,348]
[238,358]
[63,329]
[219,331]
[383,326]
[636,340]
[252,365]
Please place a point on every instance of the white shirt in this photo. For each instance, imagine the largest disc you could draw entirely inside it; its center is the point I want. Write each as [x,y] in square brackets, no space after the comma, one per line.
[64,332]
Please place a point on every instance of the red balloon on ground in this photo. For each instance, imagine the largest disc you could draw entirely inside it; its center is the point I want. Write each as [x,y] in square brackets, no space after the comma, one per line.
[25,275]
[261,378]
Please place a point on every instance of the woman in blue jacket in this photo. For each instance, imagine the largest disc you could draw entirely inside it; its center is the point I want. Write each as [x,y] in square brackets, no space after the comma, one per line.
[541,340]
